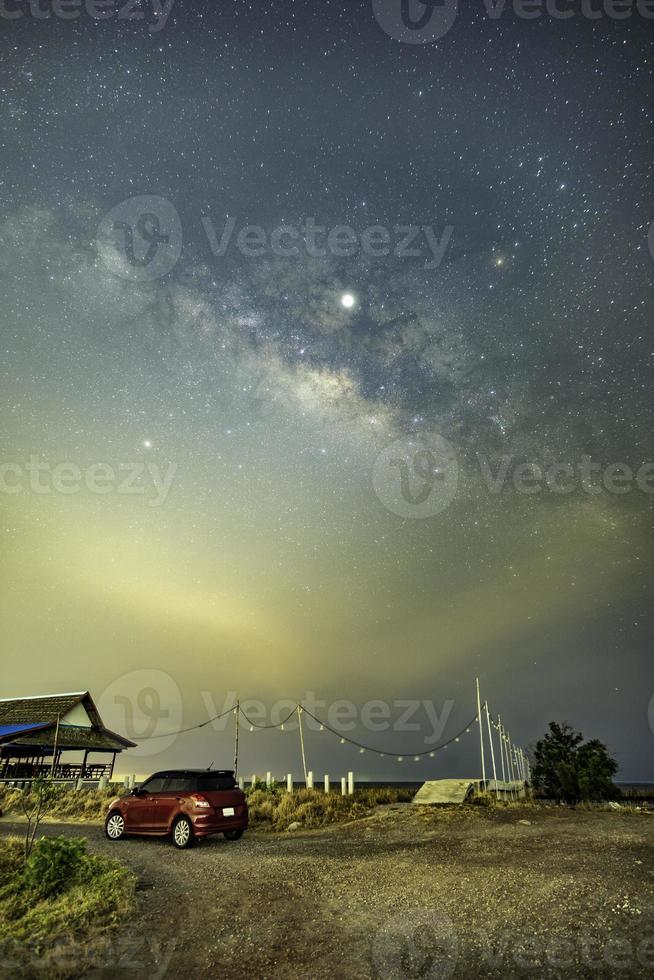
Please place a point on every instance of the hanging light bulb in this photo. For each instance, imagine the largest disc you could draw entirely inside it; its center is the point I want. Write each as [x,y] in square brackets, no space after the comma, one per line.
[251,728]
[431,755]
[416,758]
[322,728]
[457,739]
[342,741]
[361,751]
[400,758]
[282,726]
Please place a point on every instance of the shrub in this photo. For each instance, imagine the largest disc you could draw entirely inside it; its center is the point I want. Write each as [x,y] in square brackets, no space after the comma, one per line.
[54,864]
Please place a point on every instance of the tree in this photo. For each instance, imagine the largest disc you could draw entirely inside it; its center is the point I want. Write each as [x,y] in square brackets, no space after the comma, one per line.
[567,768]
[35,804]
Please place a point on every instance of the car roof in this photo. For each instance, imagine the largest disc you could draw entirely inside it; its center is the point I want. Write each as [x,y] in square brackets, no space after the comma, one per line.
[193,772]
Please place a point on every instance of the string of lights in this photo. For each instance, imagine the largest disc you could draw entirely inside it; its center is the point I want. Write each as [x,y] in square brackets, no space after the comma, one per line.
[192,728]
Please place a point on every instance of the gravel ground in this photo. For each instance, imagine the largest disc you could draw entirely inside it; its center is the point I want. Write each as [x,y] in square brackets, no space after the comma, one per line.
[407,892]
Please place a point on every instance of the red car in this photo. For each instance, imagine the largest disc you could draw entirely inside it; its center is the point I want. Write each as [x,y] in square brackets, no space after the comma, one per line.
[184,803]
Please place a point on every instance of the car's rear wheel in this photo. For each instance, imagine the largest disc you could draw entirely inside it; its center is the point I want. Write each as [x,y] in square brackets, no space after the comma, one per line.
[233,834]
[114,826]
[182,833]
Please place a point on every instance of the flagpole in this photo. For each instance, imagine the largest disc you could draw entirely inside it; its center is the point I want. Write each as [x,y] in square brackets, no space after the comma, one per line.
[481,739]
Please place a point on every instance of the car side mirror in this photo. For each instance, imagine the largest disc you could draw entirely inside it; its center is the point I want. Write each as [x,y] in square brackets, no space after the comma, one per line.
[139,792]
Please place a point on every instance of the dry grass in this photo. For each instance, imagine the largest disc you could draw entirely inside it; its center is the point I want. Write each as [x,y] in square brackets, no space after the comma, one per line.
[68,804]
[276,809]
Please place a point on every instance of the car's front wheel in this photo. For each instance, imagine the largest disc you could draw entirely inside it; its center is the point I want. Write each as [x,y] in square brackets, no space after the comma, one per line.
[233,834]
[114,826]
[182,833]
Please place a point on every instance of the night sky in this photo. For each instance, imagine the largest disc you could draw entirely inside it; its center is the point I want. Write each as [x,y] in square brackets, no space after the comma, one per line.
[286,555]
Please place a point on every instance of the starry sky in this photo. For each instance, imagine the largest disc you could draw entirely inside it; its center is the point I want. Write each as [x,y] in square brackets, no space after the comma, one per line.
[271,386]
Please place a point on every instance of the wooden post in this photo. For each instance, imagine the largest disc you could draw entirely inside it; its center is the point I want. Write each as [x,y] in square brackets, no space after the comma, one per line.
[289,782]
[83,770]
[236,714]
[350,783]
[490,739]
[113,763]
[500,730]
[481,738]
[304,759]
[54,749]
[326,783]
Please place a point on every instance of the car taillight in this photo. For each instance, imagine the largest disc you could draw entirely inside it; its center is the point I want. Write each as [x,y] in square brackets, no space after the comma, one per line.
[200,801]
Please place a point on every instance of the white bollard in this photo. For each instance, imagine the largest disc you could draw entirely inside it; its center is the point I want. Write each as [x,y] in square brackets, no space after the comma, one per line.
[268,780]
[80,783]
[309,780]
[289,782]
[102,784]
[241,782]
[126,782]
[254,780]
[343,786]
[350,783]
[326,783]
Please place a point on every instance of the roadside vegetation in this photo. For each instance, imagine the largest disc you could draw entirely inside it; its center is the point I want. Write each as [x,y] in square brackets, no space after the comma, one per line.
[63,803]
[58,906]
[275,809]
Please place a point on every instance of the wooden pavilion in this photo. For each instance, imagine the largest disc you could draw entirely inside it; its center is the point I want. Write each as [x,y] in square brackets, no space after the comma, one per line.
[37,732]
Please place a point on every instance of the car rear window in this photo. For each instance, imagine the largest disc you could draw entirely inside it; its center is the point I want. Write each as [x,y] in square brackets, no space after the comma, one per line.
[215,781]
[179,784]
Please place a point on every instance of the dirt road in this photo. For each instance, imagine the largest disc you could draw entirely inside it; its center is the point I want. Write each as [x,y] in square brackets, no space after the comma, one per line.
[408,892]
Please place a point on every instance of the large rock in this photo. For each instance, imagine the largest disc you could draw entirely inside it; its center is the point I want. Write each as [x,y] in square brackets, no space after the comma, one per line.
[446,791]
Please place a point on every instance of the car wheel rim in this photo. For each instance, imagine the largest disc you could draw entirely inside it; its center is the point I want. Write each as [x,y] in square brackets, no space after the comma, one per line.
[115,827]
[182,832]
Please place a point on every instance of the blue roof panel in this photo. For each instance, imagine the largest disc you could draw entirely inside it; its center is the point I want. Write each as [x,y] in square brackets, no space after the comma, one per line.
[23,727]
